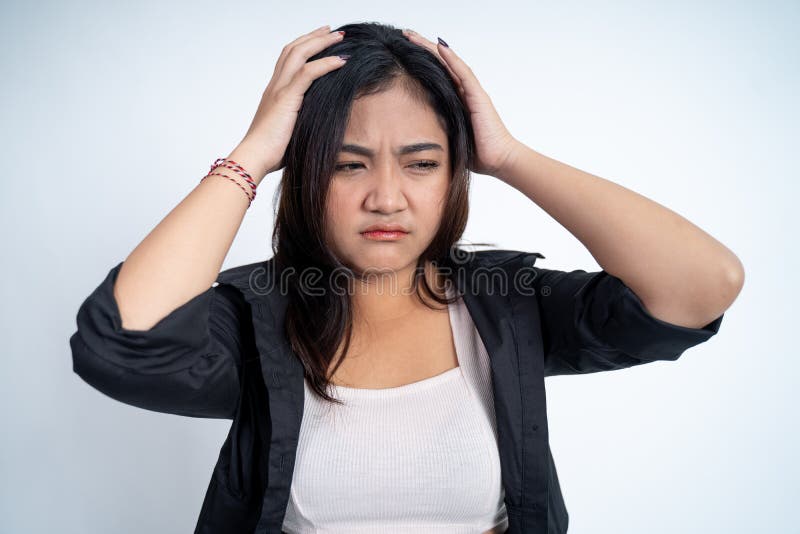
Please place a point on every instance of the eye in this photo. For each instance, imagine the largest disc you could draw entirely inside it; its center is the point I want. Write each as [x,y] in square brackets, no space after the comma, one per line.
[346,166]
[426,165]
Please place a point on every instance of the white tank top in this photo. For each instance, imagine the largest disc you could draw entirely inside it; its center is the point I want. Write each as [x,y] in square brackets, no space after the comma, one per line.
[421,457]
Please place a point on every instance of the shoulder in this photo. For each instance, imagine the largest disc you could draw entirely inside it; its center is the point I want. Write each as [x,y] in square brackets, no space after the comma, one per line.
[478,272]
[245,276]
[504,257]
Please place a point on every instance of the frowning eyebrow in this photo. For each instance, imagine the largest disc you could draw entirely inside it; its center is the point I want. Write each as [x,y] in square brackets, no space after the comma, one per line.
[402,151]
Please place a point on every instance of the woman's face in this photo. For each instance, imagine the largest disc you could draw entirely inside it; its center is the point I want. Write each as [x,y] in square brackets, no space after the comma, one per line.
[395,170]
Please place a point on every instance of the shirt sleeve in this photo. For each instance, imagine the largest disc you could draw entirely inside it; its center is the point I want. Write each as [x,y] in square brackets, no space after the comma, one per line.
[189,363]
[592,321]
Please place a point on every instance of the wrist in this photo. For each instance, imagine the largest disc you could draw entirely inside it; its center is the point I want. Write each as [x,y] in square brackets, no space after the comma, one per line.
[509,167]
[250,160]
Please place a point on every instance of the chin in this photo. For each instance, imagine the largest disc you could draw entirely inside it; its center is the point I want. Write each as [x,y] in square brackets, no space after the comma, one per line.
[382,257]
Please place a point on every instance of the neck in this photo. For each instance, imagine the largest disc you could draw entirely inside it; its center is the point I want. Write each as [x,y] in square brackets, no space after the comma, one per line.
[390,296]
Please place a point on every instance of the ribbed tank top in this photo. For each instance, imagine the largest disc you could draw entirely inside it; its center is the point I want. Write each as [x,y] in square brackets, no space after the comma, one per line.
[420,457]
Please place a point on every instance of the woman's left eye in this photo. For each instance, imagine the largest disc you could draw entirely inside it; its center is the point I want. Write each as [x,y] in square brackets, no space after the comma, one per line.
[426,165]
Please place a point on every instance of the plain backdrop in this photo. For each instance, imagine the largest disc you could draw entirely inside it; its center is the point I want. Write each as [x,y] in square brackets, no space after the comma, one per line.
[112,112]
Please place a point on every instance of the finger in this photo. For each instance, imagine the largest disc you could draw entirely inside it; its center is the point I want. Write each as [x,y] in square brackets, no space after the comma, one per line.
[299,54]
[312,70]
[288,48]
[416,38]
[468,79]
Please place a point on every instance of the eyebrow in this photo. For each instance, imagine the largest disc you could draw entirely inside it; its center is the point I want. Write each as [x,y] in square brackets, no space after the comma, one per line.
[402,151]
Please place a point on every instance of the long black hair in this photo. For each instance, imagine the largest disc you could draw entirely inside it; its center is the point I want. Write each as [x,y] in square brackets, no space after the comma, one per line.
[380,56]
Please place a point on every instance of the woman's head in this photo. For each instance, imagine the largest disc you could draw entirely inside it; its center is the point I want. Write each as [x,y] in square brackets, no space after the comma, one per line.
[346,169]
[394,168]
[391,93]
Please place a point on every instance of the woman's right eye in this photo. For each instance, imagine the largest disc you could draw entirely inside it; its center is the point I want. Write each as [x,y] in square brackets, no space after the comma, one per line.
[347,166]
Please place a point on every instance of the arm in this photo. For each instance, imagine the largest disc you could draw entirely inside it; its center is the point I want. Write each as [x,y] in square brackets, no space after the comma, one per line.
[184,253]
[155,334]
[633,238]
[592,322]
[189,363]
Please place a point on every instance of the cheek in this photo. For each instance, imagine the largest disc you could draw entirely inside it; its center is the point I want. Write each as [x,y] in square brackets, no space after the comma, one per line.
[335,203]
[341,209]
[428,215]
[433,199]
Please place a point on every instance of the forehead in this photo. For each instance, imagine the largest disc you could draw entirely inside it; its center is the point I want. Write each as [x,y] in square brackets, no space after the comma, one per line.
[393,115]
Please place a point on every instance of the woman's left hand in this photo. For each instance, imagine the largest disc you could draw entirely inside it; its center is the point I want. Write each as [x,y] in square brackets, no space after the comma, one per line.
[494,145]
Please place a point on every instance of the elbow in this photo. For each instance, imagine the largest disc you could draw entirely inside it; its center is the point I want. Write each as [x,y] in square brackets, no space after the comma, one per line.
[702,303]
[729,284]
[93,369]
[734,279]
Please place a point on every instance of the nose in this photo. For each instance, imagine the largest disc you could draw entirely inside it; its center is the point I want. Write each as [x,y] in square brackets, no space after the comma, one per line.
[386,191]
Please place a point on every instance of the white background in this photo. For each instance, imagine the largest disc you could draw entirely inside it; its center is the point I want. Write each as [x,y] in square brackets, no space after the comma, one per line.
[112,113]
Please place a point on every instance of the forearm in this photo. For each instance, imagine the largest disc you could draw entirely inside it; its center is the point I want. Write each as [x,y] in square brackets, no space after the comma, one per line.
[182,256]
[682,274]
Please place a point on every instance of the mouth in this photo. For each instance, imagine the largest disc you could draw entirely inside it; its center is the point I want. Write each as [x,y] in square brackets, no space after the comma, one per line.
[384,235]
[385,231]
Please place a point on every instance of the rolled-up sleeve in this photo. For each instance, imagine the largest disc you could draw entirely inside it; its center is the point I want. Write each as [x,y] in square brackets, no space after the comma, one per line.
[592,321]
[187,364]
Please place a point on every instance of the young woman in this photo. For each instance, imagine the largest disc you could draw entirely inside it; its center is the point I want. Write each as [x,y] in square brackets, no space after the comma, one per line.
[373,379]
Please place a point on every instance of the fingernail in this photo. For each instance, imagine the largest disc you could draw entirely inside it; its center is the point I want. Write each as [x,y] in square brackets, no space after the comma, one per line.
[441,42]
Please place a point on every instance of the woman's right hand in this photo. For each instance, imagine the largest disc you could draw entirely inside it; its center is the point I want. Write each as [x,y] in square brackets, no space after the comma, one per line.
[273,124]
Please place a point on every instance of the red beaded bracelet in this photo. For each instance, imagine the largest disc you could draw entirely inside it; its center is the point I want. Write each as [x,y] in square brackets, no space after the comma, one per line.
[230,164]
[236,168]
[249,198]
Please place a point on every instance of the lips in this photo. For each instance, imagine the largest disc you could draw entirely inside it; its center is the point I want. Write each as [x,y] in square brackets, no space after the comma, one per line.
[385,227]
